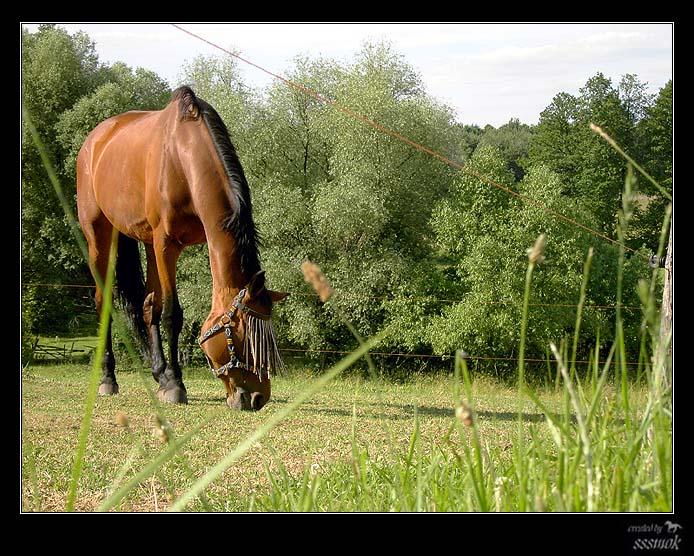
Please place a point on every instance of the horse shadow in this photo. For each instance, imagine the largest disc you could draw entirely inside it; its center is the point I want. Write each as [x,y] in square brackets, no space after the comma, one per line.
[401,412]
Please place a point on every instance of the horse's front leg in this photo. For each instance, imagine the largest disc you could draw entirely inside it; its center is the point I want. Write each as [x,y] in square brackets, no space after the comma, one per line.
[99,234]
[162,310]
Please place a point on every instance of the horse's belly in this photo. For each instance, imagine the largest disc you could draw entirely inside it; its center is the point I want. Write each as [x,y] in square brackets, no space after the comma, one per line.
[121,197]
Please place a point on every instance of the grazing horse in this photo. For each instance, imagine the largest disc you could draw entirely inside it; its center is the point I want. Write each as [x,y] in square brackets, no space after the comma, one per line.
[169,179]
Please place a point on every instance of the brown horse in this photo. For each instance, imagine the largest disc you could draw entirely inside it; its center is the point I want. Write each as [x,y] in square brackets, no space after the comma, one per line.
[172,178]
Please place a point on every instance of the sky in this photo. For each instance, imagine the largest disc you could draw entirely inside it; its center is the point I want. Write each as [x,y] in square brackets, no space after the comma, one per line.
[488,73]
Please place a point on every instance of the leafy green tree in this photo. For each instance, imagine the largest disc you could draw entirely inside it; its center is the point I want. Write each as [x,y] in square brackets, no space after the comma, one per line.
[370,218]
[487,233]
[513,141]
[634,98]
[590,169]
[469,137]
[329,188]
[393,227]
[56,70]
[655,136]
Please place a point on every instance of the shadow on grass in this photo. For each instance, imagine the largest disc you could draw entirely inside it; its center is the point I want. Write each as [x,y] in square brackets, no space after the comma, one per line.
[406,412]
[217,399]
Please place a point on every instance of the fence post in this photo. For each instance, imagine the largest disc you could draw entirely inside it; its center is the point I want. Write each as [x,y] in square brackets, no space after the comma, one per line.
[663,359]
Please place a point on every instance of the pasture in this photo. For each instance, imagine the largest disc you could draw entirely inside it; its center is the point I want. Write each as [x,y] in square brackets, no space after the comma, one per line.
[359,444]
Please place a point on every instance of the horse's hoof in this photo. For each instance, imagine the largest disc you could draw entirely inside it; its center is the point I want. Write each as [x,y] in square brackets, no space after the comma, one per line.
[174,394]
[108,388]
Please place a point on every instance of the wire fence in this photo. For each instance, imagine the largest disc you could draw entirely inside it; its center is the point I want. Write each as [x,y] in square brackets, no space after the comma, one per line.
[425,356]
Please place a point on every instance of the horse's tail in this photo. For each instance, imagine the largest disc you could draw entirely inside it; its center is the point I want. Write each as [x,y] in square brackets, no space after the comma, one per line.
[130,286]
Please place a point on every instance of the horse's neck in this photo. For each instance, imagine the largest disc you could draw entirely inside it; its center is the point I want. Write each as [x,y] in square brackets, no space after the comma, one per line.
[227,277]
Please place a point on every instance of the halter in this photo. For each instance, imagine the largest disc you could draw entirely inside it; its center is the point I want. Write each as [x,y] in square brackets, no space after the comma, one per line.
[225,323]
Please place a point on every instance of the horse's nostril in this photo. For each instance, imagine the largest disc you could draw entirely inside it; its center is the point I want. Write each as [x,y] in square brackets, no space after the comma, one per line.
[257,401]
[241,399]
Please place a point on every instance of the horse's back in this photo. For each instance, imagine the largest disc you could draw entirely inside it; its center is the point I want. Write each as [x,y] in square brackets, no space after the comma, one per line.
[107,132]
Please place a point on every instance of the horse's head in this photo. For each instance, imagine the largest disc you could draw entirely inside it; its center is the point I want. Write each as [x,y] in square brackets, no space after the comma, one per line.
[246,354]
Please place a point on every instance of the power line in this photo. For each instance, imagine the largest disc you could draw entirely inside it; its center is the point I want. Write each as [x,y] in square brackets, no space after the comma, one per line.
[414,144]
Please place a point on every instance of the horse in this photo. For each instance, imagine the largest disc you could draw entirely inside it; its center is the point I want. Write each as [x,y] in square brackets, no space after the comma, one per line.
[169,179]
[672,527]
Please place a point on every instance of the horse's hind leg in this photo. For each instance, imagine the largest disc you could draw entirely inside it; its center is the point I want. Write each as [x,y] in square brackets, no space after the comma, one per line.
[99,235]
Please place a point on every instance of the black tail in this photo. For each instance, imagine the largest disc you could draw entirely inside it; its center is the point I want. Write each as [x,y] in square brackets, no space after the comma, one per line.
[130,285]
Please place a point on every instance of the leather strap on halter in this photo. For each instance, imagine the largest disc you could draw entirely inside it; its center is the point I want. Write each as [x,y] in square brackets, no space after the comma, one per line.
[225,324]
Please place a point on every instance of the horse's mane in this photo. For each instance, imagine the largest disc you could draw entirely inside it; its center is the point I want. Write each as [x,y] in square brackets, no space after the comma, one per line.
[239,221]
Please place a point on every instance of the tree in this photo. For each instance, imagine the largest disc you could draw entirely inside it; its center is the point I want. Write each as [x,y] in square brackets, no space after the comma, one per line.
[634,98]
[655,136]
[590,169]
[487,232]
[329,188]
[56,70]
[513,141]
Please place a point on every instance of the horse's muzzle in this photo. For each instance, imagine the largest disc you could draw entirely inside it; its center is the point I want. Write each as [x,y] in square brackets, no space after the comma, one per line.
[245,400]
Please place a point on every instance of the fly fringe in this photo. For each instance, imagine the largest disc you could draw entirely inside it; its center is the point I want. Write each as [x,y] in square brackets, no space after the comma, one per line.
[260,344]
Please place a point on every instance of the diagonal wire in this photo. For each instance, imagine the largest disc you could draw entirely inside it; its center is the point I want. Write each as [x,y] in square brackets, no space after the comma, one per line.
[404,139]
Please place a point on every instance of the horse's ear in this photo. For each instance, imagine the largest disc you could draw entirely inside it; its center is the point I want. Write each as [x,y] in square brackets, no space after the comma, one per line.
[257,284]
[277,296]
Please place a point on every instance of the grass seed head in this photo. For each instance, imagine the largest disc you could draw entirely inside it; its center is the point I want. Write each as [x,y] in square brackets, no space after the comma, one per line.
[160,430]
[537,253]
[314,276]
[464,414]
[122,420]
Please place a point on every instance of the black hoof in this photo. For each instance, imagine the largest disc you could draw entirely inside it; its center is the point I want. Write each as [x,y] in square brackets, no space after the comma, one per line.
[172,394]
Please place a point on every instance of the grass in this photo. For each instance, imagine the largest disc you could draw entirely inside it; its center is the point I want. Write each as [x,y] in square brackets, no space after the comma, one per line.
[356,445]
[319,432]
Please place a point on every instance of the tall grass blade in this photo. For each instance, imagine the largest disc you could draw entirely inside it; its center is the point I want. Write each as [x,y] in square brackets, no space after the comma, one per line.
[583,432]
[105,321]
[579,311]
[535,256]
[172,449]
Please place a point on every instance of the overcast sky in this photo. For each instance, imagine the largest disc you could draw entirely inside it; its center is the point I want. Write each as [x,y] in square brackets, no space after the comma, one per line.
[488,73]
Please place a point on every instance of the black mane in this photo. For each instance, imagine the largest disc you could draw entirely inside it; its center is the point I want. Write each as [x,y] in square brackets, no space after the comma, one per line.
[239,222]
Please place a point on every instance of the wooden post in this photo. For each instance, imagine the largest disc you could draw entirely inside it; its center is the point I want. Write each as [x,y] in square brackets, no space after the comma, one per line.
[663,358]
